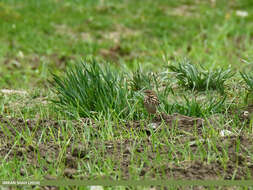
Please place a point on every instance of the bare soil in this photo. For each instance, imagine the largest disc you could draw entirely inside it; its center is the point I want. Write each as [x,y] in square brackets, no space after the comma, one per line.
[124,152]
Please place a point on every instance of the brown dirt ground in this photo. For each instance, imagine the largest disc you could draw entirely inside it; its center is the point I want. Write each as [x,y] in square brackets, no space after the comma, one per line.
[122,151]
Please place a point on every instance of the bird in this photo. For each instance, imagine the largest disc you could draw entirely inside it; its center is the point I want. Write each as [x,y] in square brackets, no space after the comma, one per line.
[151,101]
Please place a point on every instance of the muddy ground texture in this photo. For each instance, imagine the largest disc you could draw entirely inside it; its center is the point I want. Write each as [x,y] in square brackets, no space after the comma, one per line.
[239,165]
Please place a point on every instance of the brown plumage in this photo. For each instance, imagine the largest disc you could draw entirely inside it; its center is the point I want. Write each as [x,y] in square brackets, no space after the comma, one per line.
[151,101]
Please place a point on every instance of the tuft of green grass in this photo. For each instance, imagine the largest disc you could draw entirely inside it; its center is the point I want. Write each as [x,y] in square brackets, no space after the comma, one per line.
[248,79]
[140,80]
[200,79]
[192,107]
[90,89]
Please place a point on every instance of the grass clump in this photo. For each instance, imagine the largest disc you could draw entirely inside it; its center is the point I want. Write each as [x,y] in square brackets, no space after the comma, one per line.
[140,80]
[89,89]
[248,79]
[194,108]
[200,79]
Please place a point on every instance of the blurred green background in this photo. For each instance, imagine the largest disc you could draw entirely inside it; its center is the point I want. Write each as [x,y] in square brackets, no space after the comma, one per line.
[41,36]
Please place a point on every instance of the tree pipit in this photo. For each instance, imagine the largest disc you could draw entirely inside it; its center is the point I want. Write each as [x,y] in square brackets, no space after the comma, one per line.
[151,101]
